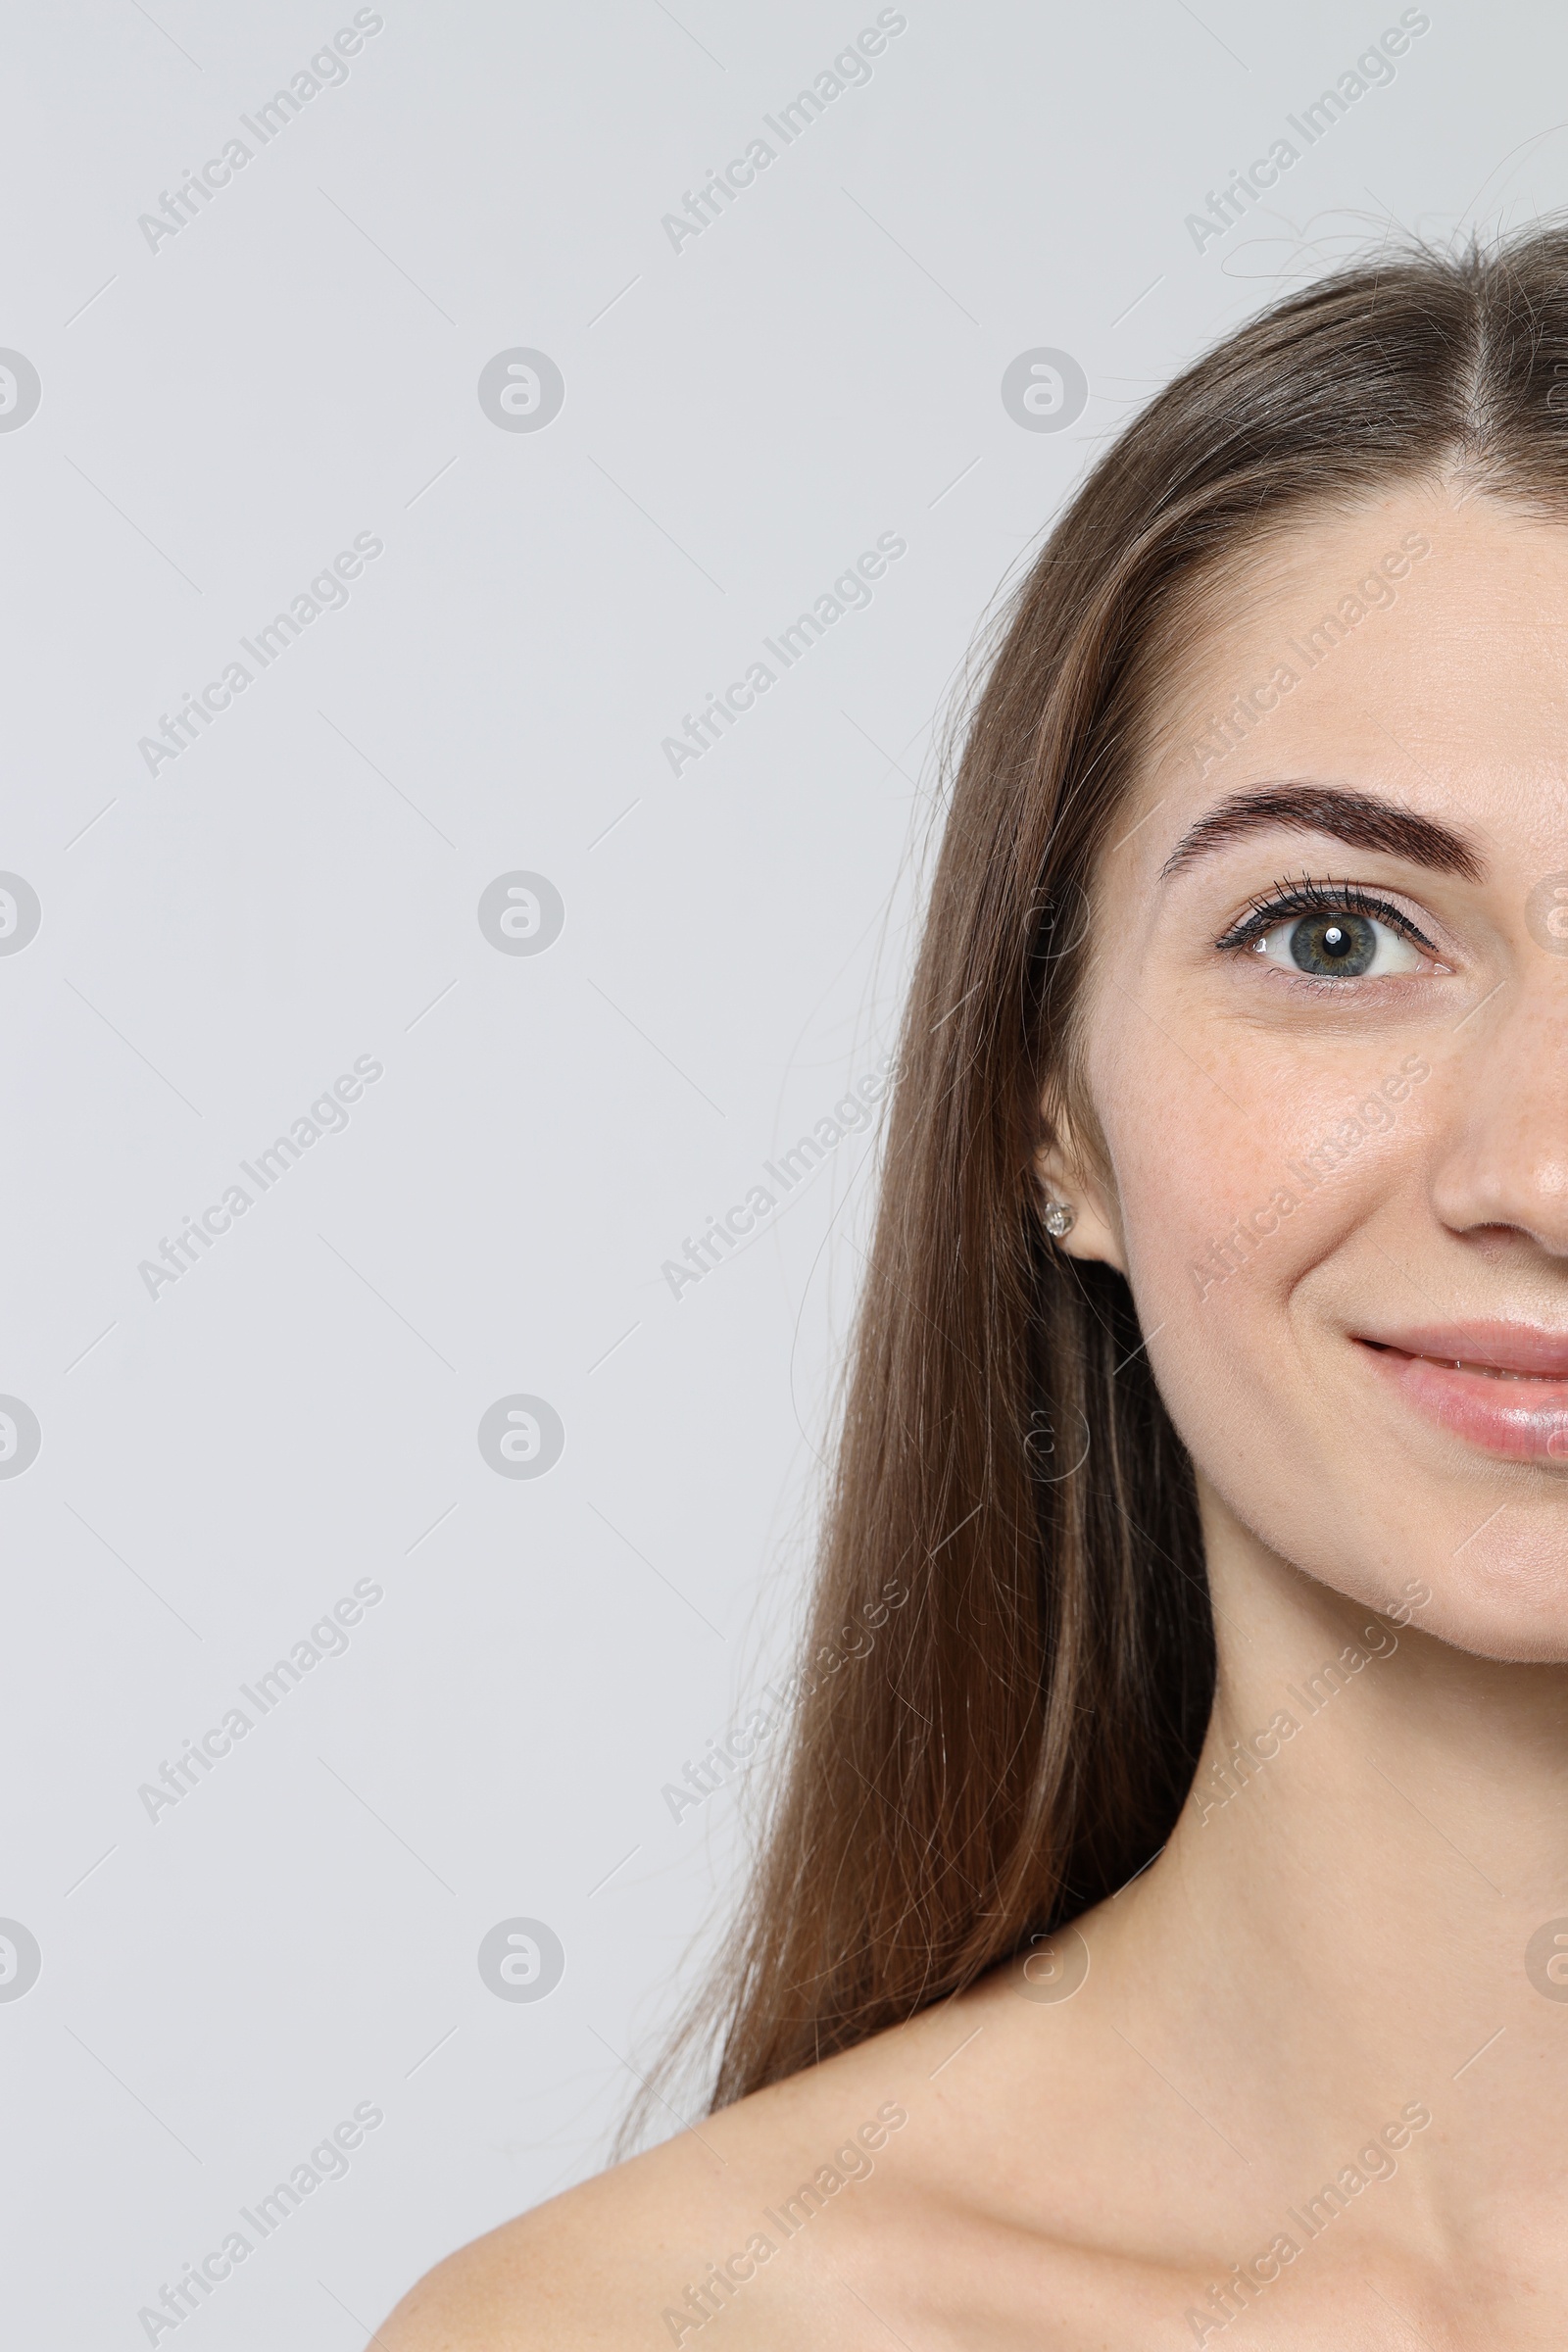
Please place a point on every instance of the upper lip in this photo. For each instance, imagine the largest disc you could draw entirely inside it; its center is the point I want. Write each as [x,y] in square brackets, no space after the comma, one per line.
[1524,1347]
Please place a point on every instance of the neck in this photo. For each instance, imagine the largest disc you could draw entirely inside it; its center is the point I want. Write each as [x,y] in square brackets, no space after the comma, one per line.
[1357,1910]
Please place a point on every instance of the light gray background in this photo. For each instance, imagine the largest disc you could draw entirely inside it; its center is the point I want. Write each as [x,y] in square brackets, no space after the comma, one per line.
[219,1464]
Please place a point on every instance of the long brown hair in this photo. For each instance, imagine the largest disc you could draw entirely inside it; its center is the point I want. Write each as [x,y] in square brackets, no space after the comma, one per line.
[1019,1736]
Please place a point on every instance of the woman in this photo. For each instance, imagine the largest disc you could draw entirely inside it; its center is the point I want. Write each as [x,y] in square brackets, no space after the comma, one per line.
[1164,1925]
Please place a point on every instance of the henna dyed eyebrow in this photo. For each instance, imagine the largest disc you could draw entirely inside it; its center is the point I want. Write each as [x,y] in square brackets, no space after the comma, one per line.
[1357,818]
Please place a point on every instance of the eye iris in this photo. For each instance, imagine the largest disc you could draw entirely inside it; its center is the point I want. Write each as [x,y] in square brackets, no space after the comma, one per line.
[1340,943]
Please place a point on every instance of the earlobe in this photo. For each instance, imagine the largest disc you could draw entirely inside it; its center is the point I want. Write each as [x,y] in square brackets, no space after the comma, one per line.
[1072,1208]
[1081,1229]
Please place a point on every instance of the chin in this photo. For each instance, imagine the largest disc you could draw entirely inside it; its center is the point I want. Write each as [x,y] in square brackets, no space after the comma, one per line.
[1510,1607]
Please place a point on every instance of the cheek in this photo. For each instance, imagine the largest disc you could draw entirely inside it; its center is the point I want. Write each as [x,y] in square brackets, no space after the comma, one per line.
[1207,1165]
[1248,1310]
[1228,1215]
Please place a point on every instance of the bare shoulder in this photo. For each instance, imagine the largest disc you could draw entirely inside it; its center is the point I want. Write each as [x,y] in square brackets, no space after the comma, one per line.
[581,2272]
[759,2213]
[1014,2168]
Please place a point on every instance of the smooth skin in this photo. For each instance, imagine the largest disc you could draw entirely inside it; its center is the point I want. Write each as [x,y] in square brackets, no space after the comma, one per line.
[1338,1945]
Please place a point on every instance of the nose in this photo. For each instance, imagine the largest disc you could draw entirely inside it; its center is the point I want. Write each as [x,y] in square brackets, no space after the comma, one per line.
[1503,1168]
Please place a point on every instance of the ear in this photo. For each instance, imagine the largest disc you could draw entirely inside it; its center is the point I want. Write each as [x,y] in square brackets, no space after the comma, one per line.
[1063,1173]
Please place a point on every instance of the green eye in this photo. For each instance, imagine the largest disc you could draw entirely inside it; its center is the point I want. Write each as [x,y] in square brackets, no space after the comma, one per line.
[1337,944]
[1330,931]
[1346,943]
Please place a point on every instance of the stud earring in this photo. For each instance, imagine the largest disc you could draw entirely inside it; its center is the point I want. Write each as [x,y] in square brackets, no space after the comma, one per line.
[1059,1219]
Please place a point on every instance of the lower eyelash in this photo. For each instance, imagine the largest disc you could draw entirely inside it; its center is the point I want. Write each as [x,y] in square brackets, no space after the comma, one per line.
[1307,897]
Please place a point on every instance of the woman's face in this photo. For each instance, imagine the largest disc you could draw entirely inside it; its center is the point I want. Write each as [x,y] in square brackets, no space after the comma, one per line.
[1327,1044]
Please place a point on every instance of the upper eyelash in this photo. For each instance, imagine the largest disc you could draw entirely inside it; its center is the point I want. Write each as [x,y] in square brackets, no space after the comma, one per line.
[1310,897]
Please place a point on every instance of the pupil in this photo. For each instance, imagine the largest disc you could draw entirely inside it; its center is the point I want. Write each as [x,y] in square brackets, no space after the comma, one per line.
[1346,944]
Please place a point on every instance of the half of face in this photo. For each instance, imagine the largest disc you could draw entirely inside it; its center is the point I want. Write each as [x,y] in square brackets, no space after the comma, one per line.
[1327,1050]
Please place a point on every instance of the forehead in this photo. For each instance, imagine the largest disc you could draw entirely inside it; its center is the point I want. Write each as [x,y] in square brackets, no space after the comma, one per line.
[1418,648]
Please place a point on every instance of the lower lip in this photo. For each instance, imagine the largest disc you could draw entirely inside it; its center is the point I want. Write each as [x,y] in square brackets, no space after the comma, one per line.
[1524,1420]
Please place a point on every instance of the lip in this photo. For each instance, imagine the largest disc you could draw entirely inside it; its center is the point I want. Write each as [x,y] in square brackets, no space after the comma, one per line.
[1501,1386]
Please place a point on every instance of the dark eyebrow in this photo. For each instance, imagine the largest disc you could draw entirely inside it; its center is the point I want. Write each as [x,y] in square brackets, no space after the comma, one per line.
[1359,819]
